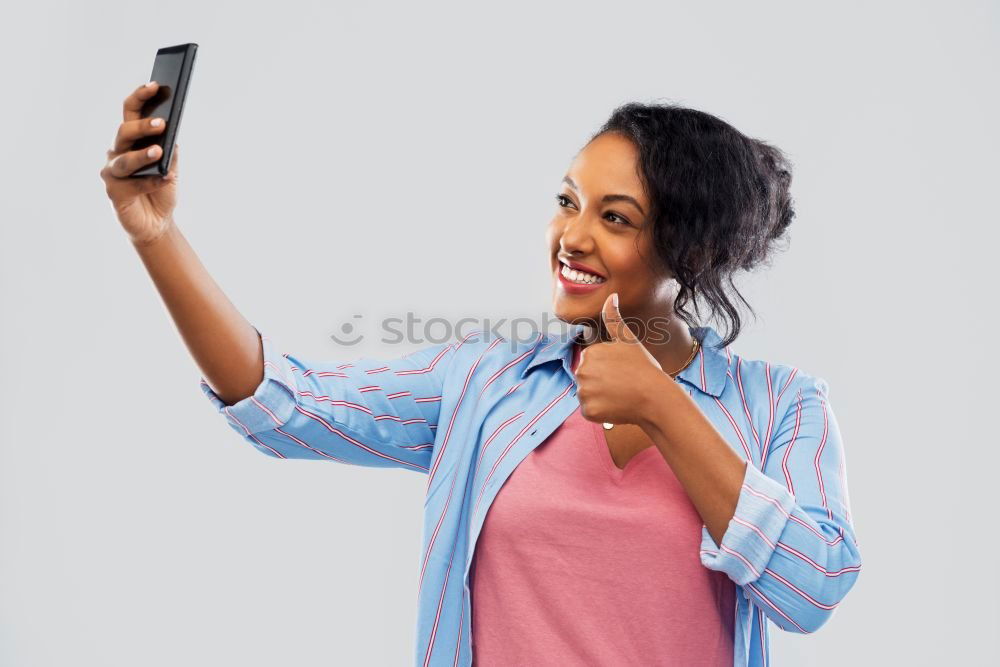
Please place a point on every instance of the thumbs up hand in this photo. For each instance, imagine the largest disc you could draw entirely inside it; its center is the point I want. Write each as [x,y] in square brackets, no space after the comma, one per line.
[616,380]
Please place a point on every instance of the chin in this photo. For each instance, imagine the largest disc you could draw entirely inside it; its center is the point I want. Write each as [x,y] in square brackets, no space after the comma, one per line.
[571,315]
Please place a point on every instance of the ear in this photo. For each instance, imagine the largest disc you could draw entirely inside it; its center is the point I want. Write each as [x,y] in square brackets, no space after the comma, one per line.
[613,322]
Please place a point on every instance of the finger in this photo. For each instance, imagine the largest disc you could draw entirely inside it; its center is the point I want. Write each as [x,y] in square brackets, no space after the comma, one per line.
[131,130]
[613,322]
[135,186]
[122,165]
[132,108]
[150,183]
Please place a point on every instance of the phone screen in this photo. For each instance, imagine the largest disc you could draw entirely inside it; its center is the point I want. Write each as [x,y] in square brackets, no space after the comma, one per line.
[172,71]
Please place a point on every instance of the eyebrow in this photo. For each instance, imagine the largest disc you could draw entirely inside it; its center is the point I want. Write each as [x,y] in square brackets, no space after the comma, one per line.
[608,198]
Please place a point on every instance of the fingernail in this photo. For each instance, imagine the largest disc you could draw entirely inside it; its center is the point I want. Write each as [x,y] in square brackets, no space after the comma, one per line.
[614,299]
[156,122]
[150,84]
[151,152]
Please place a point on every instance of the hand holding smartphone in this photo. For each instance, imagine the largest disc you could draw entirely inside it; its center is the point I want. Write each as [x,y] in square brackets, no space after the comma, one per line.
[140,174]
[172,69]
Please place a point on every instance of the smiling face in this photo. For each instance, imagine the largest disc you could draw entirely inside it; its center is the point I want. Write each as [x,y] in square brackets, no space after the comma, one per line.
[601,226]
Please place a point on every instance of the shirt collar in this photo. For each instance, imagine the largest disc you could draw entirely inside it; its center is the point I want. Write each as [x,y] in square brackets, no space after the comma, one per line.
[710,367]
[707,372]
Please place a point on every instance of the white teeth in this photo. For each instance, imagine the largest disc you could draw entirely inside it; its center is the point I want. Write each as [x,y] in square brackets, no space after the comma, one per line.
[579,276]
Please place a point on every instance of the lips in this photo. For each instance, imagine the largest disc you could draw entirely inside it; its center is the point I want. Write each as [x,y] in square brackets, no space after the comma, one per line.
[580,266]
[577,289]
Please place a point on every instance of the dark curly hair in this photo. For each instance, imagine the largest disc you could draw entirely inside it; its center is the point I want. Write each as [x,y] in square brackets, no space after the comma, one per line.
[719,199]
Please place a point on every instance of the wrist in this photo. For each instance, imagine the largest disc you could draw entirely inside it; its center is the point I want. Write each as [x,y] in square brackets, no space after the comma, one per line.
[146,242]
[656,404]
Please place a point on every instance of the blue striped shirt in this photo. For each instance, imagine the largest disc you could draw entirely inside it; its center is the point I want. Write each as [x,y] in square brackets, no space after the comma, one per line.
[465,413]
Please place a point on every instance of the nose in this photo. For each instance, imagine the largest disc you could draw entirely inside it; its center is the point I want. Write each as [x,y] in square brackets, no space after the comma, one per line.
[575,237]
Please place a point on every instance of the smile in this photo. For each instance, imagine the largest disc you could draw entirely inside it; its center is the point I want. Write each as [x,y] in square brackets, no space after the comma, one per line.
[579,277]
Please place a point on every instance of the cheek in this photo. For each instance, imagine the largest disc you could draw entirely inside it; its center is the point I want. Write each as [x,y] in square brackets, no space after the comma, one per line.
[632,274]
[622,261]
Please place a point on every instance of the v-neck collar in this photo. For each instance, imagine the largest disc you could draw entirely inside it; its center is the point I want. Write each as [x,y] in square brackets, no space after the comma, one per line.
[600,441]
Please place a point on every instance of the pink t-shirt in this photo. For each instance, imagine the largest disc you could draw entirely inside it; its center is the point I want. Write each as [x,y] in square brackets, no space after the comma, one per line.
[582,563]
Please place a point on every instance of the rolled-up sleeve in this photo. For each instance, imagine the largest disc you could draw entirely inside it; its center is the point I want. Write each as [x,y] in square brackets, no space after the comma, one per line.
[272,402]
[366,411]
[791,543]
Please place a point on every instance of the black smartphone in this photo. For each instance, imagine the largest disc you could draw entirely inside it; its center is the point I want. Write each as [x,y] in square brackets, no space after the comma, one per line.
[172,70]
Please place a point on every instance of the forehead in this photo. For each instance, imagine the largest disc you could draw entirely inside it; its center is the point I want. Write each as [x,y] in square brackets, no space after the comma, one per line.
[609,163]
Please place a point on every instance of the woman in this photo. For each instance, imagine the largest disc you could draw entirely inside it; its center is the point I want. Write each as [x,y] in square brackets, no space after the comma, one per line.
[634,493]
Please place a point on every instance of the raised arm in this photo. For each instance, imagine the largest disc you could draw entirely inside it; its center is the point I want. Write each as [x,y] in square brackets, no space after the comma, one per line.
[224,345]
[372,412]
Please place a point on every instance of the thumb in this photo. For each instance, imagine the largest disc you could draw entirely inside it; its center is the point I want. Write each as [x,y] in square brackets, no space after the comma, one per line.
[613,322]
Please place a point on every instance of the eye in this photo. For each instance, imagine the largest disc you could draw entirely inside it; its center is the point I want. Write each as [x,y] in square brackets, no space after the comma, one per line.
[623,222]
[620,220]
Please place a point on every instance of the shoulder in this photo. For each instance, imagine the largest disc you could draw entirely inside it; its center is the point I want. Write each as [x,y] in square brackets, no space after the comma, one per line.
[782,383]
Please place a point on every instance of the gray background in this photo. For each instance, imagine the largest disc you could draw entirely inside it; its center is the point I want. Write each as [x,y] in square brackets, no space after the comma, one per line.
[340,160]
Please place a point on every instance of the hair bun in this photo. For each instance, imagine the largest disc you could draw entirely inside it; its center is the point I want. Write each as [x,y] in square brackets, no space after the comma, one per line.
[778,172]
